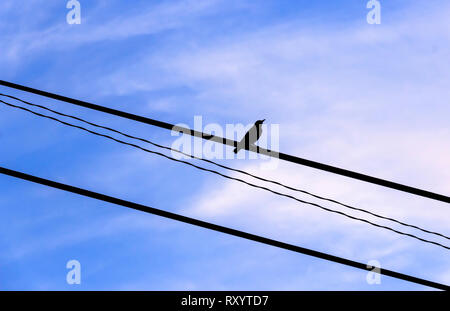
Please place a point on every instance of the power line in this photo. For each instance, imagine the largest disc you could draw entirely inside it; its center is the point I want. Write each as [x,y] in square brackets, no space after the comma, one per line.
[225,167]
[229,177]
[233,143]
[214,227]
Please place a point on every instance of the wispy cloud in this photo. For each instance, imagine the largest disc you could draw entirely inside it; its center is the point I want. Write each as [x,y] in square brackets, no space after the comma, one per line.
[368,99]
[60,36]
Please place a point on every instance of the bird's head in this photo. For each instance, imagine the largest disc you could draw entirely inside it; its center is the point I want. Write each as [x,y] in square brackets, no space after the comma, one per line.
[259,122]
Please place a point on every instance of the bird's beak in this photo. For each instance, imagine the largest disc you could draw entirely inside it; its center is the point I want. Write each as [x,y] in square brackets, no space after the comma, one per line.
[264,120]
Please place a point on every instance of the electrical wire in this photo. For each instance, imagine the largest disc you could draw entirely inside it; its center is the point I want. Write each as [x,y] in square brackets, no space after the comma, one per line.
[228,177]
[217,228]
[233,143]
[229,168]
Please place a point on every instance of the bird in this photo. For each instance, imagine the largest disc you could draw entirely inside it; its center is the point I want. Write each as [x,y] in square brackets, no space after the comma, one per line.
[251,137]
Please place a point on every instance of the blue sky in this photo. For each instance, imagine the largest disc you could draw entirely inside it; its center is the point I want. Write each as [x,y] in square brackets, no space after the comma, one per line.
[371,98]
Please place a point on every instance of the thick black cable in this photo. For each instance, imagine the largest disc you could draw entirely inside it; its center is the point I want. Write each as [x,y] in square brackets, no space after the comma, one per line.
[227,167]
[218,228]
[233,143]
[228,177]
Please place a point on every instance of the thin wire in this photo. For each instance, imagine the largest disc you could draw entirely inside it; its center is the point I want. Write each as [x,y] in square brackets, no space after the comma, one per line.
[233,143]
[226,176]
[230,168]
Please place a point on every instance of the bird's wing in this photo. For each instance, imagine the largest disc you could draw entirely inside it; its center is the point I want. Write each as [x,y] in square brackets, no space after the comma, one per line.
[246,136]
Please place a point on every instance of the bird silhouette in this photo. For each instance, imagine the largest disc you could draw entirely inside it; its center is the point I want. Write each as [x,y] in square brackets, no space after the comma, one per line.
[251,137]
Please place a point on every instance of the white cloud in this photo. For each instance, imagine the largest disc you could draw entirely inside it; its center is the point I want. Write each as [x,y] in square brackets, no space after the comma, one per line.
[363,99]
[373,100]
